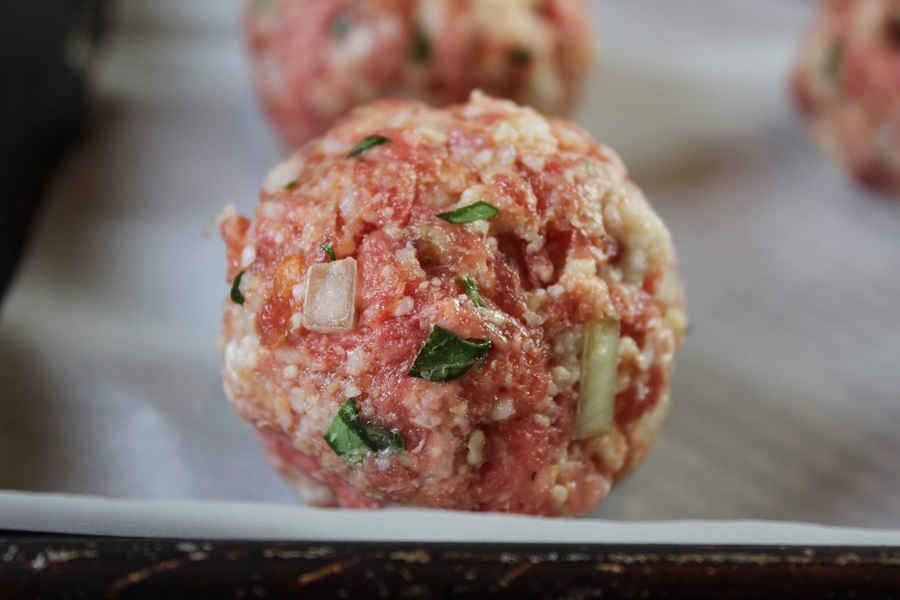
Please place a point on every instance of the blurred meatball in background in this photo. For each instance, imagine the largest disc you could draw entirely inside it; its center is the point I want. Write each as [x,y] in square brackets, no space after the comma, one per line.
[847,85]
[314,60]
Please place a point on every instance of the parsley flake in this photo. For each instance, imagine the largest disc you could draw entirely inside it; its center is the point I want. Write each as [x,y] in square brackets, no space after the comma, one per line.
[366,143]
[352,439]
[262,5]
[446,356]
[471,287]
[236,296]
[479,211]
[520,57]
[340,26]
[833,61]
[329,251]
[292,184]
[420,48]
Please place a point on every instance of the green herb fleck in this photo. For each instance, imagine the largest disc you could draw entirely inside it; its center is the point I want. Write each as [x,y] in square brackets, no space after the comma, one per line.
[340,26]
[892,29]
[520,57]
[420,48]
[352,439]
[590,168]
[386,438]
[369,142]
[446,356]
[328,250]
[833,61]
[292,184]
[236,296]
[479,211]
[471,287]
[262,5]
[533,475]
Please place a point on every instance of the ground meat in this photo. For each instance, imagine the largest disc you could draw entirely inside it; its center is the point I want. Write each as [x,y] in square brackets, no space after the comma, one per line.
[316,59]
[847,85]
[574,243]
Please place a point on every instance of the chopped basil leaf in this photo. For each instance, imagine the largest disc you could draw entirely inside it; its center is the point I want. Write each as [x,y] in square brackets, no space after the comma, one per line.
[471,287]
[446,356]
[340,26]
[292,184]
[236,296]
[328,250]
[479,211]
[833,61]
[520,57]
[420,49]
[347,434]
[369,142]
[352,439]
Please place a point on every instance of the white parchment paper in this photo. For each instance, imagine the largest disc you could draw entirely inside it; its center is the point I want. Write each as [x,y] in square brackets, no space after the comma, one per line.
[785,394]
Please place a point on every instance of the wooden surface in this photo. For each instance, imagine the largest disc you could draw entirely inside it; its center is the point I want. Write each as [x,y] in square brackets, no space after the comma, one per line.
[61,567]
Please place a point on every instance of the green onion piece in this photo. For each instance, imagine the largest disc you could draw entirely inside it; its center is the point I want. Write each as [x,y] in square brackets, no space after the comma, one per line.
[352,439]
[520,57]
[369,142]
[596,408]
[328,250]
[292,184]
[471,287]
[479,211]
[236,296]
[420,49]
[833,61]
[340,26]
[446,356]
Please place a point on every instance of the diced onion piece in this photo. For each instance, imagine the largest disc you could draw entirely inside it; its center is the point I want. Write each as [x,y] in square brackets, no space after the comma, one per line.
[330,305]
[599,367]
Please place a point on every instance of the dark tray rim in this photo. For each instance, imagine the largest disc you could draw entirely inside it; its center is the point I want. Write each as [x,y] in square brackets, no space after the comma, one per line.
[61,565]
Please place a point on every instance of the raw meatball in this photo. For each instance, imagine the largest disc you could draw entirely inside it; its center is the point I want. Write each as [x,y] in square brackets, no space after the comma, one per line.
[316,59]
[496,253]
[848,86]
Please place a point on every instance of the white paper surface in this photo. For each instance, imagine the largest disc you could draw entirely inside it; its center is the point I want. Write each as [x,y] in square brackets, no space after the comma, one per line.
[243,520]
[785,394]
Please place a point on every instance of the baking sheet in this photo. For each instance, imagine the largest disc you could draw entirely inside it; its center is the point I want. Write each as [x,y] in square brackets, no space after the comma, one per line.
[785,393]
